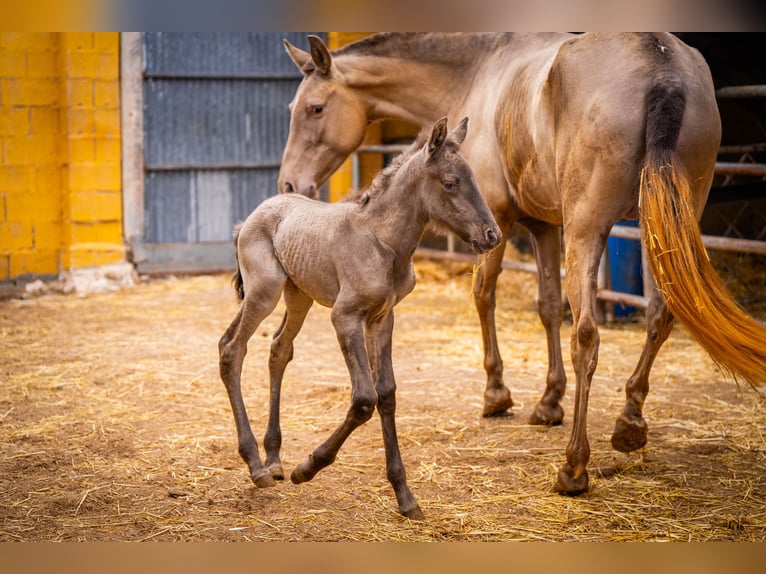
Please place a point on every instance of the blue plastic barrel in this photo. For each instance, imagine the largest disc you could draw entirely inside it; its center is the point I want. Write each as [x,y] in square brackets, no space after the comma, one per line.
[625,267]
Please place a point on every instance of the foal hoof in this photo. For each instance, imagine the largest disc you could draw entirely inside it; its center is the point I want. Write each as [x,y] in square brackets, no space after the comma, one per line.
[263,479]
[497,402]
[568,484]
[303,472]
[275,469]
[413,513]
[629,434]
[549,415]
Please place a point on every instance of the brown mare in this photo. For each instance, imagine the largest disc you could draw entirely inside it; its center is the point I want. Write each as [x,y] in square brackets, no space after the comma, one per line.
[355,257]
[569,131]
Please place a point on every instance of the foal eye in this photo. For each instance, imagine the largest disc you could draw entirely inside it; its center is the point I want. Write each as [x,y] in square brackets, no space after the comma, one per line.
[449,185]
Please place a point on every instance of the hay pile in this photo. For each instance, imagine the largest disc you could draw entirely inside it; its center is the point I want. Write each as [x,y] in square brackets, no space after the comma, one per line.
[114,425]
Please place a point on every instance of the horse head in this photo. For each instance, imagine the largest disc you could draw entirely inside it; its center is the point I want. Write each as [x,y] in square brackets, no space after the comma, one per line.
[327,122]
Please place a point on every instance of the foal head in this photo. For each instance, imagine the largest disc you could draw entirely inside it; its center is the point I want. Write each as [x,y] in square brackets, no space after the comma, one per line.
[448,193]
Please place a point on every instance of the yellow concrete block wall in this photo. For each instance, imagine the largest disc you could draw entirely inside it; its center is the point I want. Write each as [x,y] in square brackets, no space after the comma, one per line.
[60,179]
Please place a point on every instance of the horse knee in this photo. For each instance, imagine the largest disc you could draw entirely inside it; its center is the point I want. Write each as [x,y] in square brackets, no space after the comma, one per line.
[363,407]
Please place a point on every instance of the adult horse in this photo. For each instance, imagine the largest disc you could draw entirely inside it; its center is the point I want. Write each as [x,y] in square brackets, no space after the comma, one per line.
[573,131]
[355,257]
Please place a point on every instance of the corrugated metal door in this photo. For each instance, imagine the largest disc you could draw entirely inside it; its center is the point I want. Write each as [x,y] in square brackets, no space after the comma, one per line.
[215,121]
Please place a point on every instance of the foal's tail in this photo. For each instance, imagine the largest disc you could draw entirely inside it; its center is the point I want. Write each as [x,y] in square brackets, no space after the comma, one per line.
[236,280]
[692,289]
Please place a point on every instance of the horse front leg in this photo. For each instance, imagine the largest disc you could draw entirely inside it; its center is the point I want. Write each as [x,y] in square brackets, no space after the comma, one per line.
[298,305]
[546,240]
[630,429]
[350,330]
[497,397]
[379,335]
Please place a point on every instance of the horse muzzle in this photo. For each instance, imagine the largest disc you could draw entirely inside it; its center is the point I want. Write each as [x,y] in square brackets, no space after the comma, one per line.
[309,189]
[489,239]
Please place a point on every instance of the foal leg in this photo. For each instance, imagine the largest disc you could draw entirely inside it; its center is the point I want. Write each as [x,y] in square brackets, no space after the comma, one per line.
[379,334]
[630,429]
[546,240]
[259,302]
[497,397]
[349,325]
[298,305]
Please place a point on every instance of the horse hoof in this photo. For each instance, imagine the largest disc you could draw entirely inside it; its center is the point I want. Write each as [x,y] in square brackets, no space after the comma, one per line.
[413,513]
[276,471]
[568,484]
[497,402]
[629,434]
[302,473]
[263,479]
[548,415]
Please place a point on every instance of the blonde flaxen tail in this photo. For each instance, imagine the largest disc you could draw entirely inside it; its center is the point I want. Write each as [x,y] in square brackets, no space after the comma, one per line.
[693,291]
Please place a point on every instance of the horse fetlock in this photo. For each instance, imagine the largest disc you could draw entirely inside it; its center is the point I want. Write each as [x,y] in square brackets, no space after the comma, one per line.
[497,401]
[630,433]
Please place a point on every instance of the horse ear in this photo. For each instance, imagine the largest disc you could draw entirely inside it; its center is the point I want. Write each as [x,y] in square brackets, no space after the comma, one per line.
[320,55]
[297,55]
[438,135]
[459,133]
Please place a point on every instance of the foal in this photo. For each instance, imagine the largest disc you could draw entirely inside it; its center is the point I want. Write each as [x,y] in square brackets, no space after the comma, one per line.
[355,257]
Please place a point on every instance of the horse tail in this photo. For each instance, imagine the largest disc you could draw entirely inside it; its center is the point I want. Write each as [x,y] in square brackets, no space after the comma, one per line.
[693,291]
[236,280]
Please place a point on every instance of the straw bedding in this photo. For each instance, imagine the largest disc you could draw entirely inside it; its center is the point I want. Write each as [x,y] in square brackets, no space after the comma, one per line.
[114,426]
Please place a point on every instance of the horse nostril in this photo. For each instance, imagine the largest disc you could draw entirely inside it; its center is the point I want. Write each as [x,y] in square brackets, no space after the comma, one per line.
[288,188]
[492,237]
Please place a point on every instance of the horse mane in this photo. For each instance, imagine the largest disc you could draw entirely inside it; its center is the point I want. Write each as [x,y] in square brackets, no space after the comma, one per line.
[461,47]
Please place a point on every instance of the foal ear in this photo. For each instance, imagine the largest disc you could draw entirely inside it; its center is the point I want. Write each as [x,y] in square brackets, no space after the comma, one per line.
[438,135]
[458,134]
[320,54]
[297,55]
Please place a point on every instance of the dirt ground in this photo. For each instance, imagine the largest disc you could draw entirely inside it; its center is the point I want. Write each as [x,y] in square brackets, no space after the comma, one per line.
[115,426]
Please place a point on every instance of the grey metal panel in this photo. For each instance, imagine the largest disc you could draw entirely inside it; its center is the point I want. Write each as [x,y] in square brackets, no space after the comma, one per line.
[221,54]
[202,206]
[203,123]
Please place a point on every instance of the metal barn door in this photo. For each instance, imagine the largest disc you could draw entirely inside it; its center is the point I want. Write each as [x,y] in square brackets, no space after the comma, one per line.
[215,120]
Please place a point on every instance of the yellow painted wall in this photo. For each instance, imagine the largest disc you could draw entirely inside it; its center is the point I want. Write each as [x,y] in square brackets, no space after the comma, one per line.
[60,177]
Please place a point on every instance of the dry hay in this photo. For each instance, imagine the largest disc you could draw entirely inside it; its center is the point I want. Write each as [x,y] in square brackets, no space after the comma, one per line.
[114,425]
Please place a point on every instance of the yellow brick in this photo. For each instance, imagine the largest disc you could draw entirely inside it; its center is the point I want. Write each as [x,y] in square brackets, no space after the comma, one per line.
[79,93]
[42,64]
[46,180]
[15,235]
[106,122]
[77,41]
[103,66]
[25,40]
[14,121]
[106,42]
[30,92]
[32,150]
[95,254]
[5,267]
[94,177]
[95,207]
[79,122]
[47,234]
[38,262]
[44,120]
[13,62]
[106,93]
[33,206]
[108,149]
[81,150]
[15,178]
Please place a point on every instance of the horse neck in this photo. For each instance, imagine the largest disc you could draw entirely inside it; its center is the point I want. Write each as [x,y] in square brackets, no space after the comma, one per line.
[413,77]
[395,215]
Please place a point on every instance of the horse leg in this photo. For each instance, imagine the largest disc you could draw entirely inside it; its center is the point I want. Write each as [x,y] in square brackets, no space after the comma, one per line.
[583,254]
[258,303]
[546,240]
[298,305]
[497,397]
[349,327]
[379,336]
[630,430]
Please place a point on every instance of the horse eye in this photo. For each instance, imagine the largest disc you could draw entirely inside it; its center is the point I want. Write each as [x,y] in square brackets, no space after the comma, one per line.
[317,110]
[449,185]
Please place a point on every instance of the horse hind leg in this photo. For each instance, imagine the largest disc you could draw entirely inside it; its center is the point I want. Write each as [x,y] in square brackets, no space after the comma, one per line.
[630,429]
[298,305]
[258,303]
